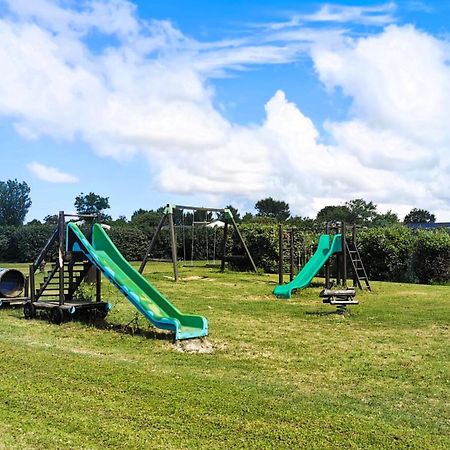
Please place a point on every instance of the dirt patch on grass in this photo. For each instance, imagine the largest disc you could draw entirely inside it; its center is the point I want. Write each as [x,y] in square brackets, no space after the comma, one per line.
[194,346]
[191,278]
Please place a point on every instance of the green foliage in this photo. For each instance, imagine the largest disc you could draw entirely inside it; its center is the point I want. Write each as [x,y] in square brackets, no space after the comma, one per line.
[334,214]
[92,204]
[14,202]
[394,253]
[86,292]
[6,250]
[145,220]
[130,241]
[385,220]
[387,253]
[234,211]
[358,212]
[276,209]
[361,211]
[304,223]
[51,219]
[419,216]
[432,256]
[262,242]
[27,242]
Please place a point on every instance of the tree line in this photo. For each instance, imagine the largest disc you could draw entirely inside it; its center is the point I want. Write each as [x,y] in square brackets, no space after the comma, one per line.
[15,202]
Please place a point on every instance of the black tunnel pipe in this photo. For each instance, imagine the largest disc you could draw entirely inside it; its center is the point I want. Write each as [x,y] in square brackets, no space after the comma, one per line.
[12,282]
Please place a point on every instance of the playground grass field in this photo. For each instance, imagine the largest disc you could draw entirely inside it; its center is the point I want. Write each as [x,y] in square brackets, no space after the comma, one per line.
[282,374]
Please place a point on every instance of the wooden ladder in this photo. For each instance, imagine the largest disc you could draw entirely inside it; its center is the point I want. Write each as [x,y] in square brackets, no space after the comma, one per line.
[72,280]
[358,267]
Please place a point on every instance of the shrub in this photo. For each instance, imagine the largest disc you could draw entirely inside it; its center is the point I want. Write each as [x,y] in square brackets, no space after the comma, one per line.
[387,253]
[432,256]
[28,241]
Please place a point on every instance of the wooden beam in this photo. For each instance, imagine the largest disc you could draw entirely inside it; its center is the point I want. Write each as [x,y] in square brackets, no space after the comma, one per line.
[152,243]
[327,264]
[224,246]
[291,254]
[61,253]
[196,208]
[173,243]
[344,255]
[280,254]
[98,285]
[243,243]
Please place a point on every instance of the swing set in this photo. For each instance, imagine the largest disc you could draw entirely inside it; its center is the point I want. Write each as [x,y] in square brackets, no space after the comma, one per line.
[206,224]
[168,215]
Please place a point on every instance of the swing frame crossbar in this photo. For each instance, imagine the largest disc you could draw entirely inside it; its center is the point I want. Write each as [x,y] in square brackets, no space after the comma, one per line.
[168,214]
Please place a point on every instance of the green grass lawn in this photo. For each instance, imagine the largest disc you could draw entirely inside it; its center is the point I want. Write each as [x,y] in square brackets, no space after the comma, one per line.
[283,374]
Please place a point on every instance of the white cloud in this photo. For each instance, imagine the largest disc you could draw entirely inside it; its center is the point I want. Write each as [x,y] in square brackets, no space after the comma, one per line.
[149,95]
[51,174]
[373,15]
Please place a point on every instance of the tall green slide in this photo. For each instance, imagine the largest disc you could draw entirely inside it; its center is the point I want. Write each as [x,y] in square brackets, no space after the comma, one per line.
[326,248]
[104,255]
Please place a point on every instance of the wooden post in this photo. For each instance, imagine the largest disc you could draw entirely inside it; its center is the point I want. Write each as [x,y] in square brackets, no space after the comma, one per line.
[173,243]
[61,252]
[241,239]
[344,255]
[26,288]
[280,254]
[355,275]
[98,285]
[152,243]
[338,265]
[291,255]
[224,245]
[327,264]
[32,285]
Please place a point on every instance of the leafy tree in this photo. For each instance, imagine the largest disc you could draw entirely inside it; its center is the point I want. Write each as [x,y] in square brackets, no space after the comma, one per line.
[263,219]
[34,222]
[419,216]
[385,220]
[144,218]
[51,219]
[234,212]
[275,209]
[92,204]
[334,214]
[362,212]
[14,202]
[304,223]
[120,221]
[248,217]
[180,217]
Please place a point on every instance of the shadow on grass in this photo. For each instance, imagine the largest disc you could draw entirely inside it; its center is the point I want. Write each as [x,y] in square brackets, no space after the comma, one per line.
[131,328]
[337,312]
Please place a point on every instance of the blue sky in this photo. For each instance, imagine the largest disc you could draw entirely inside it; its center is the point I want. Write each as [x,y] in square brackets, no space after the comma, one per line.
[224,102]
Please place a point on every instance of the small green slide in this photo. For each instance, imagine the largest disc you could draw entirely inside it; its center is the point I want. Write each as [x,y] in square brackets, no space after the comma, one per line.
[139,291]
[305,276]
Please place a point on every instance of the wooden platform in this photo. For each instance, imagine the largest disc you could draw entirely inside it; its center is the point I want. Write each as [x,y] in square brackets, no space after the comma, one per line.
[16,301]
[72,306]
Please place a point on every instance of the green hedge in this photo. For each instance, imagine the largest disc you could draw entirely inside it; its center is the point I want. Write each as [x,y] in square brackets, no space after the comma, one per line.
[431,259]
[23,244]
[262,242]
[389,253]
